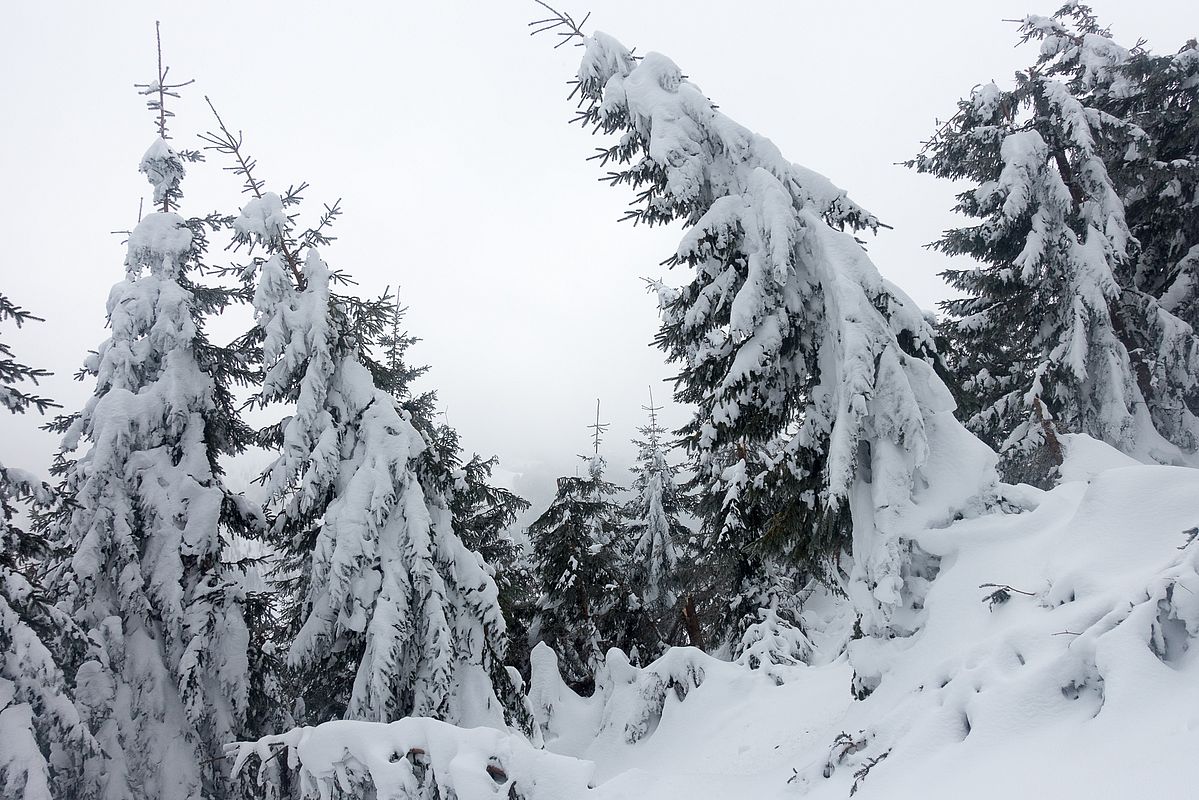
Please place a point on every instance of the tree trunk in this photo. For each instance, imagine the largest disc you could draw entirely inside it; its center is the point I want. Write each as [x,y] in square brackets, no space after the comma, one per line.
[695,635]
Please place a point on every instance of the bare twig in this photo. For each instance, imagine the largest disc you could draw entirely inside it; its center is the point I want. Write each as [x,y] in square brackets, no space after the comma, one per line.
[599,428]
[228,144]
[561,23]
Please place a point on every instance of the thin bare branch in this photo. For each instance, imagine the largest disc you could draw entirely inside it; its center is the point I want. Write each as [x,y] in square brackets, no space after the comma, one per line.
[562,25]
[226,143]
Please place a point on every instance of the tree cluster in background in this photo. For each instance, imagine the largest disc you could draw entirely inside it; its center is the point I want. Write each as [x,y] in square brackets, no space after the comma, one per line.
[150,614]
[1077,312]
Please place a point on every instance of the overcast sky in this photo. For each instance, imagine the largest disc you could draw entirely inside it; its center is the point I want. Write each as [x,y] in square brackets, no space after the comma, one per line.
[443,128]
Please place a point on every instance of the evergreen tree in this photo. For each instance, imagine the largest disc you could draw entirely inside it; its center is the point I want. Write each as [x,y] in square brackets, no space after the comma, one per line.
[1051,332]
[482,512]
[13,372]
[745,588]
[165,681]
[577,546]
[1158,183]
[45,749]
[483,515]
[653,529]
[394,616]
[1161,191]
[785,335]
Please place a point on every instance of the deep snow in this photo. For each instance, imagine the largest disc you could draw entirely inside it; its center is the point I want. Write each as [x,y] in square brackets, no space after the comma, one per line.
[1082,683]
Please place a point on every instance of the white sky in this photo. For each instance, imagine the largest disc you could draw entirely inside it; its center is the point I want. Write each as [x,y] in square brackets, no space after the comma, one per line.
[443,127]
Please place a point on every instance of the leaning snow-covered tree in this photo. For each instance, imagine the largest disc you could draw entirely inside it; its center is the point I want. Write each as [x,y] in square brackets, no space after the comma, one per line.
[784,332]
[165,682]
[1051,333]
[45,748]
[394,615]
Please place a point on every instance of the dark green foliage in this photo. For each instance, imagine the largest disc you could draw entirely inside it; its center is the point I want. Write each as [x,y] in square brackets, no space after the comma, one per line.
[13,372]
[576,543]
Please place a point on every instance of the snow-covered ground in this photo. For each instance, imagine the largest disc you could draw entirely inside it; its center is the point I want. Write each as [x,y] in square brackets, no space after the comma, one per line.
[1053,659]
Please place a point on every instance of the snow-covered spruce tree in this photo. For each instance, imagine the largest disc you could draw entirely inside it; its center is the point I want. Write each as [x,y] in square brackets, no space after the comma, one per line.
[1161,192]
[394,615]
[1159,94]
[483,516]
[45,749]
[1158,183]
[165,681]
[653,529]
[785,334]
[482,512]
[745,593]
[576,544]
[1050,334]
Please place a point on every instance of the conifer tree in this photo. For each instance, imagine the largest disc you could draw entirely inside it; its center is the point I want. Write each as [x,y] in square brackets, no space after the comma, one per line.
[656,536]
[45,749]
[483,515]
[482,512]
[577,547]
[746,592]
[1052,333]
[394,616]
[785,335]
[165,683]
[1158,184]
[1160,94]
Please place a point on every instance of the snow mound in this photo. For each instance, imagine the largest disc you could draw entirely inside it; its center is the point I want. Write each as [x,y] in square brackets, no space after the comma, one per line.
[418,757]
[1083,458]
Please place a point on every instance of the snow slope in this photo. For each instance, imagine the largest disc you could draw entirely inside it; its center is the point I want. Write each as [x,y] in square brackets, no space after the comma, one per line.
[1071,676]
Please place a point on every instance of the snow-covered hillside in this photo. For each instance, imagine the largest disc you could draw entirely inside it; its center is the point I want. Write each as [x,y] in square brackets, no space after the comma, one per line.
[1053,660]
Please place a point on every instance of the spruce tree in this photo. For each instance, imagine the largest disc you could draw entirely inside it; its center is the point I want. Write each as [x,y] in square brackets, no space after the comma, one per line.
[483,515]
[745,590]
[45,749]
[1158,183]
[577,546]
[1052,333]
[393,615]
[656,536]
[482,512]
[1161,191]
[165,682]
[785,335]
